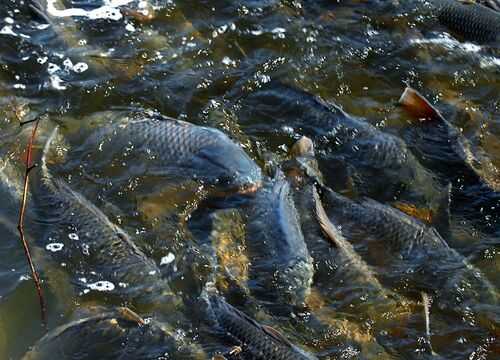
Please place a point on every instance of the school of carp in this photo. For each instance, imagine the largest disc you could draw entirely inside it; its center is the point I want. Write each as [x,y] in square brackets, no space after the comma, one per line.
[201,247]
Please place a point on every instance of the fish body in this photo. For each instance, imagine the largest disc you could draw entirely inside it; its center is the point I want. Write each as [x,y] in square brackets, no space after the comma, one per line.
[444,150]
[379,164]
[341,274]
[473,21]
[98,254]
[257,342]
[340,261]
[281,264]
[402,248]
[163,146]
[493,4]
[117,334]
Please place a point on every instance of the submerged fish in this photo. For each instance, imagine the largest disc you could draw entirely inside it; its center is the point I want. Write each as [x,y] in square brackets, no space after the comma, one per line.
[378,164]
[281,267]
[473,21]
[116,334]
[444,150]
[97,254]
[257,342]
[407,253]
[342,275]
[174,149]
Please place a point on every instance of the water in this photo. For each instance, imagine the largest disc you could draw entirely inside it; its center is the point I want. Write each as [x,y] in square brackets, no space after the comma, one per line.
[193,60]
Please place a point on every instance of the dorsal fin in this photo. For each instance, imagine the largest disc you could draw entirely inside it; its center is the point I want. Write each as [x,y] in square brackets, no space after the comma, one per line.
[322,217]
[418,106]
[276,335]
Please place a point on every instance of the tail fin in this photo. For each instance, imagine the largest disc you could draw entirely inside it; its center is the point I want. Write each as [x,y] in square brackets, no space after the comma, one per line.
[418,106]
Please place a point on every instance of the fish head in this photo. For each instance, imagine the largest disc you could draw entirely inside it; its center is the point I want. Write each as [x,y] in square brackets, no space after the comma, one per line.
[294,282]
[230,169]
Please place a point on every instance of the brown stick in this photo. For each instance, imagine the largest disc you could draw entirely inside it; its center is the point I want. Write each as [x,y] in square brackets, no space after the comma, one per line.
[20,225]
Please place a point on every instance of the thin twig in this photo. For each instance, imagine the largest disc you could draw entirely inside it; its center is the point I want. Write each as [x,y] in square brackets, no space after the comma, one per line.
[20,225]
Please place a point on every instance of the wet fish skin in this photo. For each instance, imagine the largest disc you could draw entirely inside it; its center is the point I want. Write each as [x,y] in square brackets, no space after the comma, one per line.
[446,152]
[379,164]
[406,243]
[170,147]
[473,21]
[109,335]
[92,247]
[493,4]
[257,341]
[281,265]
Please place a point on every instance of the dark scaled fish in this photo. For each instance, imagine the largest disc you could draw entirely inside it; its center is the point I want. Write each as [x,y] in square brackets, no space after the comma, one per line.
[303,170]
[281,268]
[166,147]
[378,164]
[256,341]
[407,254]
[493,4]
[341,274]
[116,334]
[445,151]
[472,21]
[98,255]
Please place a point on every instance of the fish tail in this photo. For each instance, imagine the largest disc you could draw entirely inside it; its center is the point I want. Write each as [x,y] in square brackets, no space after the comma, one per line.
[418,106]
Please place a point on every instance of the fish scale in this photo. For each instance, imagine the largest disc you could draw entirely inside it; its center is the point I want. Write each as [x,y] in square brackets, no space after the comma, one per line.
[277,245]
[379,164]
[93,248]
[407,244]
[116,334]
[167,147]
[473,21]
[257,342]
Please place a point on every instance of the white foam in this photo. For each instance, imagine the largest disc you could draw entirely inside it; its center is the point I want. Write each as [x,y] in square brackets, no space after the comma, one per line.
[54,247]
[449,42]
[102,286]
[108,11]
[57,83]
[167,259]
[8,30]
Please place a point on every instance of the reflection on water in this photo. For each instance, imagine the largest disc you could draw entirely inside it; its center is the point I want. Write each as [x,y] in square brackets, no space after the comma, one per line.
[226,65]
